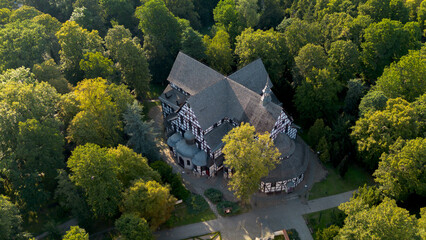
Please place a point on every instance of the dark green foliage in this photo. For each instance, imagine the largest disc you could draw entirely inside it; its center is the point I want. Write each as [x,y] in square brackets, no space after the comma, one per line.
[167,176]
[317,131]
[293,234]
[89,14]
[162,37]
[121,11]
[343,59]
[196,203]
[192,43]
[204,8]
[214,195]
[10,220]
[232,206]
[385,42]
[356,90]
[22,43]
[142,135]
[133,227]
[372,101]
[272,14]
[327,233]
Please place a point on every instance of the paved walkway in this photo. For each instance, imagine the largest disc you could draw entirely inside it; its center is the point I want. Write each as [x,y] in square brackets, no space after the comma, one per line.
[259,222]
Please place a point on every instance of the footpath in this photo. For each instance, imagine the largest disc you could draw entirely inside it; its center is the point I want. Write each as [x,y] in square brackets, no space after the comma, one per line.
[259,222]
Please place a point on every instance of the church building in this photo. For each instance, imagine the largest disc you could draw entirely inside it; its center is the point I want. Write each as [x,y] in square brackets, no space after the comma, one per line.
[200,106]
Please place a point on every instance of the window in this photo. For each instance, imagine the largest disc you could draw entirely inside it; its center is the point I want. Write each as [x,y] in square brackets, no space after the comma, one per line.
[198,131]
[188,162]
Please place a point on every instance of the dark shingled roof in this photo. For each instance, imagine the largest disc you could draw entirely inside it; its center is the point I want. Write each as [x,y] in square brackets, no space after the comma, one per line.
[228,98]
[214,137]
[191,75]
[291,167]
[253,76]
[173,97]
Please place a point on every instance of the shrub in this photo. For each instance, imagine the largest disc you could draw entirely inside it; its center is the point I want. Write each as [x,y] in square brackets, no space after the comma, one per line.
[167,176]
[293,234]
[233,207]
[196,204]
[213,195]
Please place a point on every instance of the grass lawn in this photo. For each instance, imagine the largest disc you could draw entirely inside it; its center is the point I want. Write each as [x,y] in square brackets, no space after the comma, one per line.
[183,216]
[334,184]
[323,219]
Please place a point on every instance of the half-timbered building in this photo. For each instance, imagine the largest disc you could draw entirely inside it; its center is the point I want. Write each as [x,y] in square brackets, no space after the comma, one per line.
[200,106]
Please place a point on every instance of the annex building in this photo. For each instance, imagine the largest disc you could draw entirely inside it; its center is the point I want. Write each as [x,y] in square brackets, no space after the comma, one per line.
[200,106]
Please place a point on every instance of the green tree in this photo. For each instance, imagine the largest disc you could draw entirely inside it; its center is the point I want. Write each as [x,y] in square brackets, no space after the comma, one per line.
[356,90]
[192,43]
[422,223]
[96,65]
[130,166]
[316,97]
[384,221]
[49,72]
[380,9]
[121,11]
[227,17]
[271,14]
[174,180]
[317,131]
[249,10]
[76,233]
[89,14]
[18,75]
[219,52]
[133,227]
[251,156]
[299,33]
[75,41]
[385,42]
[335,27]
[401,171]
[421,14]
[270,46]
[327,233]
[101,108]
[30,141]
[322,148]
[162,37]
[406,78]
[184,9]
[142,134]
[130,57]
[22,43]
[4,15]
[24,13]
[376,131]
[149,200]
[93,170]
[10,220]
[310,56]
[72,198]
[343,59]
[372,101]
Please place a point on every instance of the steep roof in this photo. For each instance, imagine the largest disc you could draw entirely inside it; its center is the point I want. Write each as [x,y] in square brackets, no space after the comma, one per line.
[230,99]
[191,75]
[253,76]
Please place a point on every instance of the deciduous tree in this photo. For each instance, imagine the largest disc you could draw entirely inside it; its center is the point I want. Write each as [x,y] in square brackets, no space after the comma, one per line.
[149,200]
[132,227]
[401,171]
[406,78]
[219,52]
[75,41]
[93,170]
[251,156]
[270,46]
[377,131]
[384,221]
